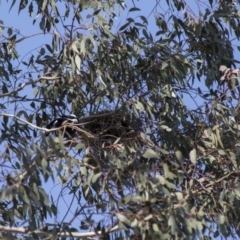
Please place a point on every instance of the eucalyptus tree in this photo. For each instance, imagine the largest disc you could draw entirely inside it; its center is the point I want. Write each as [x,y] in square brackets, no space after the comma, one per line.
[154,151]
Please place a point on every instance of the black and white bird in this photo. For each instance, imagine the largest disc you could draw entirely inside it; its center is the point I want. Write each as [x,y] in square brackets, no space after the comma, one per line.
[64,120]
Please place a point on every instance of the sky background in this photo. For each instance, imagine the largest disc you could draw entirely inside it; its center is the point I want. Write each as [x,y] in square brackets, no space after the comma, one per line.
[23,24]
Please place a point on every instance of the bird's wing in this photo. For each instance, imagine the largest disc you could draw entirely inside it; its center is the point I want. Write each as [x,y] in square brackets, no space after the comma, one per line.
[52,123]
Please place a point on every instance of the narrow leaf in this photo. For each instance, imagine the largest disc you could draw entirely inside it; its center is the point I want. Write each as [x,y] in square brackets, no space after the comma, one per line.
[134,9]
[150,154]
[123,219]
[96,177]
[193,156]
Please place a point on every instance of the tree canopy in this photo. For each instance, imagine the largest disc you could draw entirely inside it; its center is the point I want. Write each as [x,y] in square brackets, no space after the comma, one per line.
[155,154]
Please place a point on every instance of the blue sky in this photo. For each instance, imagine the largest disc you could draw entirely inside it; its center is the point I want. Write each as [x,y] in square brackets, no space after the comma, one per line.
[23,23]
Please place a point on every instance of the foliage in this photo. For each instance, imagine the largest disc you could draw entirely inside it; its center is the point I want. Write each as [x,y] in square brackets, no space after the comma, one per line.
[156,152]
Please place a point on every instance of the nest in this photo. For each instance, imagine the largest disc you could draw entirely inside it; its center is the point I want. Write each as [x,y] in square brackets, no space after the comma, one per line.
[112,125]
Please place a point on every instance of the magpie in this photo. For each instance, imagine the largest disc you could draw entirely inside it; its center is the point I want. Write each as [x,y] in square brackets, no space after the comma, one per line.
[61,121]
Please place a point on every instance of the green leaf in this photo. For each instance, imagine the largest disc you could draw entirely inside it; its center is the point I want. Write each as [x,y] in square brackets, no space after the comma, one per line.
[145,33]
[220,218]
[44,165]
[139,106]
[89,178]
[155,228]
[49,48]
[80,146]
[164,65]
[96,177]
[42,51]
[134,9]
[167,173]
[149,153]
[150,216]
[78,62]
[22,5]
[160,179]
[30,9]
[5,120]
[13,2]
[193,156]
[219,137]
[124,26]
[179,196]
[172,224]
[170,185]
[134,223]
[44,4]
[82,46]
[179,156]
[24,196]
[123,219]
[83,171]
[163,151]
[75,47]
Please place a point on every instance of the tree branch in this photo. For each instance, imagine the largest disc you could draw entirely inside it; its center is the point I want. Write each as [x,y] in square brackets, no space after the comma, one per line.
[48,130]
[28,83]
[24,231]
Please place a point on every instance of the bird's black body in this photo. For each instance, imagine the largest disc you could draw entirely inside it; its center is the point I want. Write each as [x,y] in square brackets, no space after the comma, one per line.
[61,121]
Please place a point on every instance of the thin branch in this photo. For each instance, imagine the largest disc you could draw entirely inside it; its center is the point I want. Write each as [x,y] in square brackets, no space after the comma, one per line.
[49,130]
[30,124]
[28,83]
[24,231]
